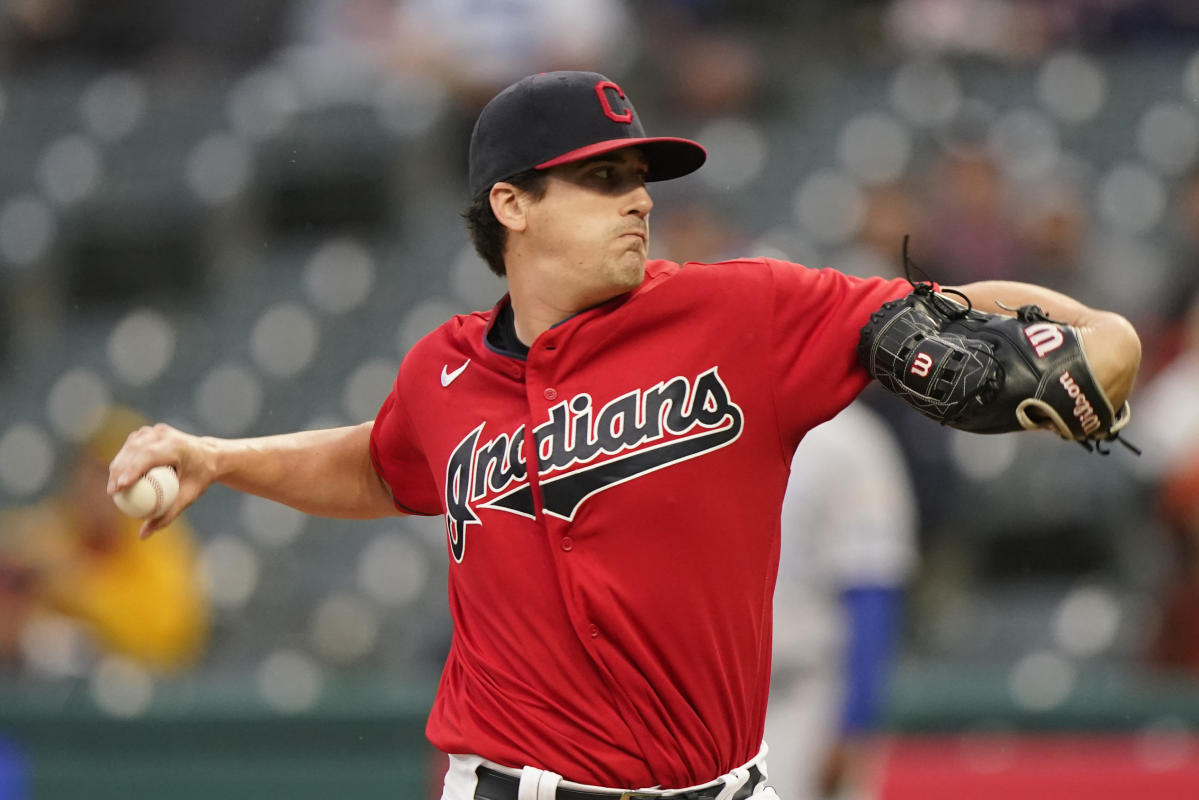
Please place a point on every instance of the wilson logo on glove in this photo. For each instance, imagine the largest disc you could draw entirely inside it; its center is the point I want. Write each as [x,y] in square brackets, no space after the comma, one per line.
[1045,337]
[1083,409]
[921,364]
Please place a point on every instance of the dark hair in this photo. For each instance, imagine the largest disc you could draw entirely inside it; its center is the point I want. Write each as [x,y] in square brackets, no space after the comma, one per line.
[486,232]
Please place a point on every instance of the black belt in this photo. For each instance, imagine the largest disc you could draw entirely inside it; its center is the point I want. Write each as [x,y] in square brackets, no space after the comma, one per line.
[493,785]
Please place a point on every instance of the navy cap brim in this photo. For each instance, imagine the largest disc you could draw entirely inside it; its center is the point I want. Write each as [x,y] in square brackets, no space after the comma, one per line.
[668,157]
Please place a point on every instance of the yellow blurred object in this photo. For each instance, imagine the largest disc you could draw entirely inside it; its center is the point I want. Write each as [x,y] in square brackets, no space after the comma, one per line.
[139,599]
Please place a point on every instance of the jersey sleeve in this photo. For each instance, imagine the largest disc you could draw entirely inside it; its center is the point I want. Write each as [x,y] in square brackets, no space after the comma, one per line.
[398,457]
[816,318]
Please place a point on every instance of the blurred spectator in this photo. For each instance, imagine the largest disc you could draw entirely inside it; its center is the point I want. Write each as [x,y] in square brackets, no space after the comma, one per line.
[712,72]
[1125,21]
[1053,231]
[717,62]
[473,47]
[480,46]
[1175,644]
[468,49]
[848,548]
[1172,331]
[1021,30]
[1001,29]
[16,603]
[74,557]
[477,47]
[1167,413]
[364,29]
[694,230]
[892,212]
[50,32]
[1169,431]
[972,235]
[1188,269]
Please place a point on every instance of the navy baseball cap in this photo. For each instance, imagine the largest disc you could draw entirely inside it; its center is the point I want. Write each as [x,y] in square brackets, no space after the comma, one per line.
[554,118]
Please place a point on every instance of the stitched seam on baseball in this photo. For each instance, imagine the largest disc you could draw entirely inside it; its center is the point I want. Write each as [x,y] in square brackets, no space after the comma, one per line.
[158,495]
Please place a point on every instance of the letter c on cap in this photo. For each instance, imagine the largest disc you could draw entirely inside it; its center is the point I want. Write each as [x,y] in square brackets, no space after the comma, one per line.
[606,104]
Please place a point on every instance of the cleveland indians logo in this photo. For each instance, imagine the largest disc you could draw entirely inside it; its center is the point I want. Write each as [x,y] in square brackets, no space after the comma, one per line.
[582,452]
[623,115]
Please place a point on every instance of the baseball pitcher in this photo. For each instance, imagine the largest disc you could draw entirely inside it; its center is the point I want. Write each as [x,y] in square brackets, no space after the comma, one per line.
[609,446]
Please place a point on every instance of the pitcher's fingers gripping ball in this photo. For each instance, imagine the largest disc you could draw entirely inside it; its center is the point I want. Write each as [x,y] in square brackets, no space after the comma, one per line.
[987,373]
[150,495]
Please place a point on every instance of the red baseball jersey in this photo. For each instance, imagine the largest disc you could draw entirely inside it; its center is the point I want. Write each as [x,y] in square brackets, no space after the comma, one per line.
[612,512]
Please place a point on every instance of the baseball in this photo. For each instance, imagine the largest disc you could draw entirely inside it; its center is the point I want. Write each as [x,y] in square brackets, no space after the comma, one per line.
[151,495]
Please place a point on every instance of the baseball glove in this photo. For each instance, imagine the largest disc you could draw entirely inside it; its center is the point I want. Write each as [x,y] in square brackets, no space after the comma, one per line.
[988,373]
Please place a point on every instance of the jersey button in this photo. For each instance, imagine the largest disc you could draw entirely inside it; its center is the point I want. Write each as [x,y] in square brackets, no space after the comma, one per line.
[551,393]
[568,543]
[593,631]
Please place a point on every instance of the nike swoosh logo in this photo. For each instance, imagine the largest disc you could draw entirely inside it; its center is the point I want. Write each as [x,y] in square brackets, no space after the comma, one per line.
[448,377]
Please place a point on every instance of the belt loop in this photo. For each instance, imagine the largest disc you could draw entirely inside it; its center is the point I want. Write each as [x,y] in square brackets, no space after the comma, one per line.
[733,782]
[547,786]
[538,784]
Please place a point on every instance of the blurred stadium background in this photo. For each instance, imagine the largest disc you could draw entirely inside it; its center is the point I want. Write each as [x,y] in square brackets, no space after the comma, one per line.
[237,217]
